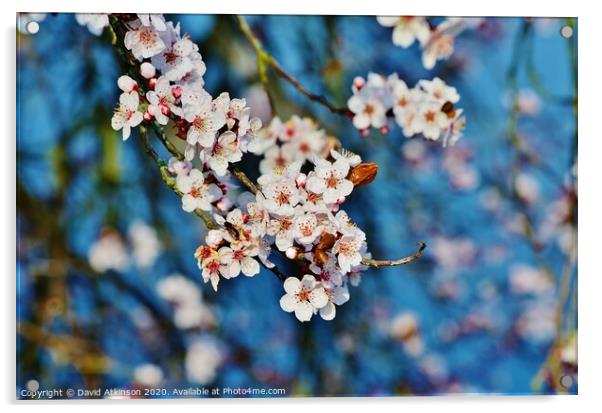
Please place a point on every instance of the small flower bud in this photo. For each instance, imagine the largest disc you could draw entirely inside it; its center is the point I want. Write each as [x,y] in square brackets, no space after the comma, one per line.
[165,110]
[365,132]
[292,253]
[245,217]
[152,82]
[363,174]
[147,70]
[359,82]
[340,200]
[127,84]
[223,204]
[177,92]
[384,130]
[147,116]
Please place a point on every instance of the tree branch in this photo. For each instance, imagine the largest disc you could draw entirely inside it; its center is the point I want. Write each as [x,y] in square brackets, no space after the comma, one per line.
[264,58]
[393,263]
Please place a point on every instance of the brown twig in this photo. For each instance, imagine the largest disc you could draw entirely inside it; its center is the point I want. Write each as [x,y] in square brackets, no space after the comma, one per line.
[393,263]
[265,59]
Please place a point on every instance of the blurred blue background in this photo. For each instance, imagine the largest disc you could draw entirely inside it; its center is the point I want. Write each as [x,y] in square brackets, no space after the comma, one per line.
[491,307]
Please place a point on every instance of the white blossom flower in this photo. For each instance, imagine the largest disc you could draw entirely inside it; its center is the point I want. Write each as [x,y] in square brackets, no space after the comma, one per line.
[431,121]
[282,228]
[258,216]
[95,22]
[225,150]
[204,121]
[369,111]
[162,101]
[329,179]
[275,158]
[174,61]
[144,42]
[196,193]
[440,46]
[267,137]
[209,262]
[348,249]
[307,228]
[329,274]
[177,167]
[155,20]
[238,258]
[336,296]
[281,196]
[406,29]
[303,297]
[127,114]
[438,90]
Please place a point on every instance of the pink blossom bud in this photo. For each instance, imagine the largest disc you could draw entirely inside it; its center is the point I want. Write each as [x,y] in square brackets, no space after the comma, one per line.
[147,116]
[224,204]
[291,253]
[301,180]
[177,92]
[365,132]
[245,217]
[341,200]
[126,83]
[359,82]
[152,82]
[165,110]
[147,70]
[384,129]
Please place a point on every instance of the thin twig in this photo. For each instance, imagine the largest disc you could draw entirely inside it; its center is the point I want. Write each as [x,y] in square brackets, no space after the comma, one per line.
[393,263]
[264,58]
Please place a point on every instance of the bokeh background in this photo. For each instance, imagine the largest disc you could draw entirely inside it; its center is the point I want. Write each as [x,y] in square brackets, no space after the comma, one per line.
[108,292]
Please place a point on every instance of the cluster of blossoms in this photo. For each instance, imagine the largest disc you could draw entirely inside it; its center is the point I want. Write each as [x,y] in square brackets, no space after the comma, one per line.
[282,143]
[296,206]
[216,130]
[437,43]
[427,108]
[299,214]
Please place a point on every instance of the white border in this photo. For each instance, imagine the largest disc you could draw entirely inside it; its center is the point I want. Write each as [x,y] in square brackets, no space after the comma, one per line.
[589,211]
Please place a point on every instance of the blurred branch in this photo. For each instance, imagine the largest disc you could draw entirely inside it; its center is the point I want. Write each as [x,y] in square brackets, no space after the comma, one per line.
[393,263]
[264,59]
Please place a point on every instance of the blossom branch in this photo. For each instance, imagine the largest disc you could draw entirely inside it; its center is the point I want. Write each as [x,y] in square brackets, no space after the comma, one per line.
[393,263]
[265,59]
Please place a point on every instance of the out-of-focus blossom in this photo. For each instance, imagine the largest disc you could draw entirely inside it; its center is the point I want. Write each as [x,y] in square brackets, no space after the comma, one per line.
[148,374]
[109,252]
[203,359]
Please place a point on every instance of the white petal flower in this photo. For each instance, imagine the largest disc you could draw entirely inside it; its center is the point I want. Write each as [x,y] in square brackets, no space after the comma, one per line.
[127,115]
[197,194]
[144,42]
[307,229]
[329,179]
[348,253]
[225,150]
[303,297]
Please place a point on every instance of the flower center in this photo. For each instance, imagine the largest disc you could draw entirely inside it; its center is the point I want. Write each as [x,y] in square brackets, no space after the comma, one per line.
[282,198]
[303,295]
[332,181]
